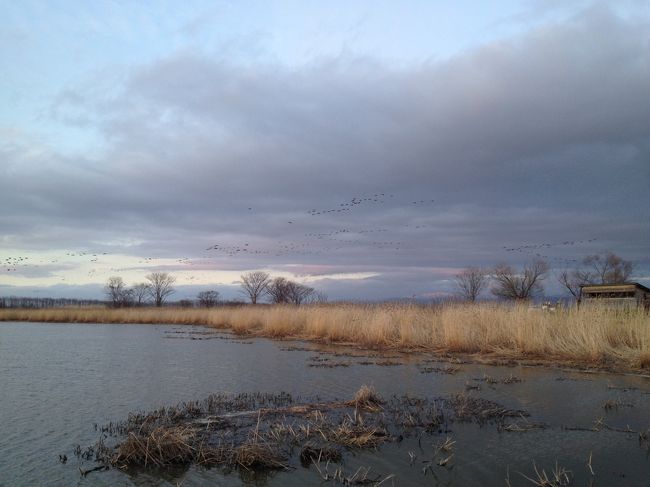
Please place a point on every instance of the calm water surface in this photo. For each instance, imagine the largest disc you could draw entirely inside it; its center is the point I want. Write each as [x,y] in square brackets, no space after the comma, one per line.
[58,380]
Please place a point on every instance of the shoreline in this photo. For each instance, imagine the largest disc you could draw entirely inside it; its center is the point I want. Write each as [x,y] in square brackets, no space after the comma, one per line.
[578,339]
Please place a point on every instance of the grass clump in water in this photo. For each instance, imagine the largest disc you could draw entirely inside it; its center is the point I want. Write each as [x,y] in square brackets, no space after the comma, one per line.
[270,432]
[367,398]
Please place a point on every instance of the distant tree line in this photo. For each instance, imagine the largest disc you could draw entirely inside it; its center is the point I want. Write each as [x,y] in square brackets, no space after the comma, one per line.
[256,286]
[24,302]
[503,281]
[506,282]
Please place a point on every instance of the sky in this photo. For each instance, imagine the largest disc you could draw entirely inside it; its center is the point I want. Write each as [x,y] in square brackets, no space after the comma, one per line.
[369,149]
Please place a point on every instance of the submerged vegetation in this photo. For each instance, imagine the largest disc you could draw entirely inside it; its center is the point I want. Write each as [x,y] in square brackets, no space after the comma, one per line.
[589,336]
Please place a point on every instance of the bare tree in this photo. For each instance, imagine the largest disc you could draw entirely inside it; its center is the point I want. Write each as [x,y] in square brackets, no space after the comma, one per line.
[114,290]
[471,282]
[278,290]
[161,286]
[608,268]
[519,286]
[140,293]
[318,297]
[128,298]
[255,285]
[282,290]
[208,299]
[298,293]
[573,280]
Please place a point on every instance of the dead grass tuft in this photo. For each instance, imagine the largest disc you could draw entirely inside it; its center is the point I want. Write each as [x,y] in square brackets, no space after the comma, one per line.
[163,447]
[366,398]
[557,477]
[357,435]
[316,454]
[259,455]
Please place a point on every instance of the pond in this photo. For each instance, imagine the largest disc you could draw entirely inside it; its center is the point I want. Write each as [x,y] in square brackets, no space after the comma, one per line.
[58,381]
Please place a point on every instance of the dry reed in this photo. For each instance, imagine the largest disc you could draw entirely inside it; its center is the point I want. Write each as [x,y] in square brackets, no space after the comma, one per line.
[161,447]
[367,398]
[588,335]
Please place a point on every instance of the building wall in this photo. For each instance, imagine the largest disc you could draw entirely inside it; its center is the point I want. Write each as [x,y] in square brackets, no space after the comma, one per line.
[625,300]
[618,303]
[643,298]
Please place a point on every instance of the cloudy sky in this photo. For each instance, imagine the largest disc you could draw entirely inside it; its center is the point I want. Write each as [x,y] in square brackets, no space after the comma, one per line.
[371,149]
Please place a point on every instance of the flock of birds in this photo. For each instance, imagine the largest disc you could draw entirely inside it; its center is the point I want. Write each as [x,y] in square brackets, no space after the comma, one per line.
[312,243]
[535,249]
[377,198]
[531,247]
[22,263]
[346,238]
[11,264]
[353,203]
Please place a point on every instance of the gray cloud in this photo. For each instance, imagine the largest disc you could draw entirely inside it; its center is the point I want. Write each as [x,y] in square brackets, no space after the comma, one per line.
[541,138]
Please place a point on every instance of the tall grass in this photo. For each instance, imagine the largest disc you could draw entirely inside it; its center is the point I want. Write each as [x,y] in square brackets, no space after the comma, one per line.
[588,334]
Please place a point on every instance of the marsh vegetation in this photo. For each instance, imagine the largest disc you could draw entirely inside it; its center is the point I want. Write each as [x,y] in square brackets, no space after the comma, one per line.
[274,431]
[587,336]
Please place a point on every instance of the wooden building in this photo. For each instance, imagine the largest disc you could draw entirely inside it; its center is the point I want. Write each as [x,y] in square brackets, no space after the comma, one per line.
[627,295]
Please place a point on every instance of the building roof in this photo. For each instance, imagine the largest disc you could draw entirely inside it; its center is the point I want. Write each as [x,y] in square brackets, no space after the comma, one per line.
[609,288]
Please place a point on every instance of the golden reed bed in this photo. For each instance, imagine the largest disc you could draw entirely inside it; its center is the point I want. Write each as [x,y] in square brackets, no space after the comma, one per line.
[585,336]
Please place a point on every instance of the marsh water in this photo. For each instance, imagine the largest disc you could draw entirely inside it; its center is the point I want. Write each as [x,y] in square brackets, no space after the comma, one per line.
[57,381]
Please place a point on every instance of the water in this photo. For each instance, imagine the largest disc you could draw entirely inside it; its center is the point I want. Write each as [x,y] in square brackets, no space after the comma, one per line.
[58,380]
